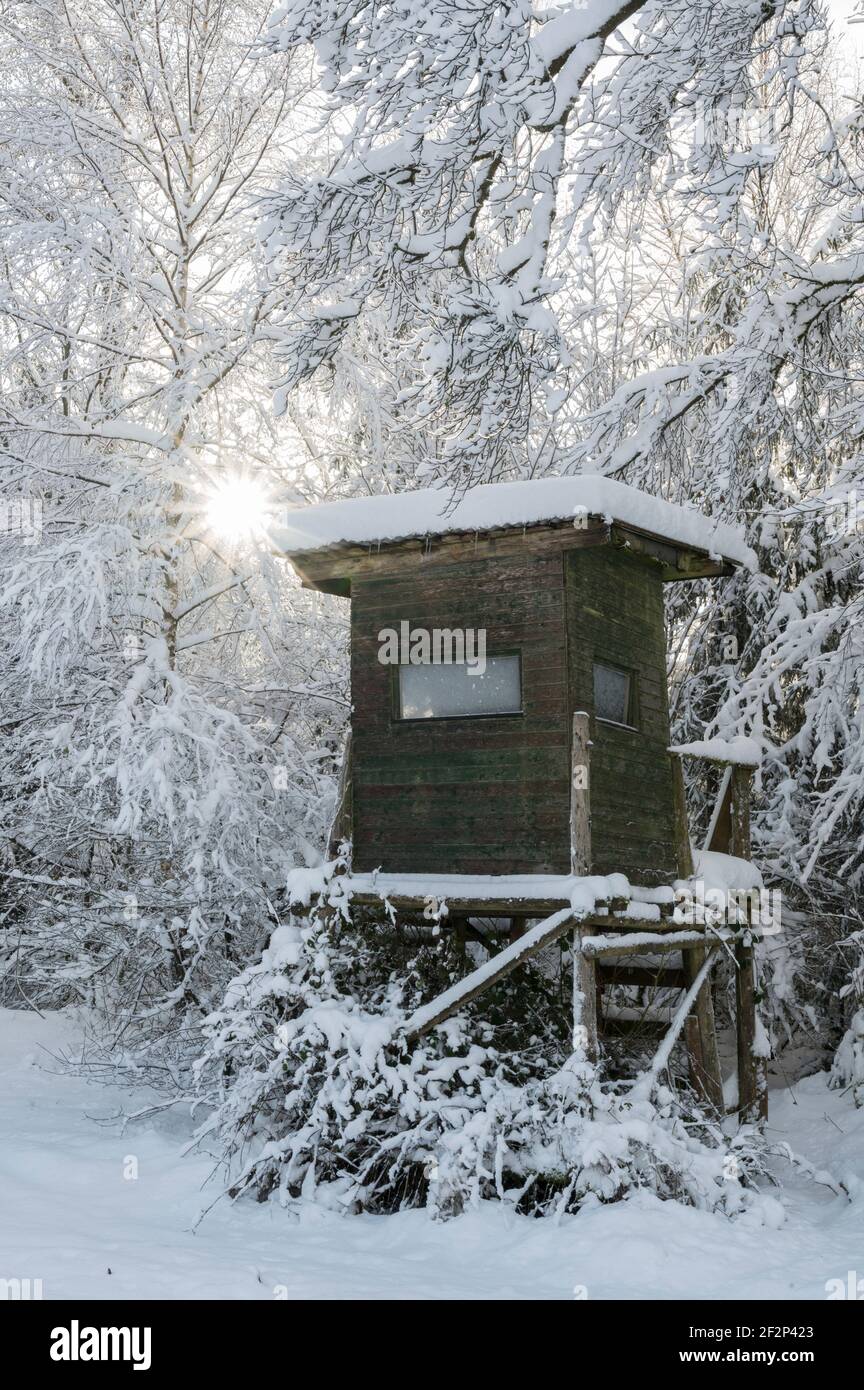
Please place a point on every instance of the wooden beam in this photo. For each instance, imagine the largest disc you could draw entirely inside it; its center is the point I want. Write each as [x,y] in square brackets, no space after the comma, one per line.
[752,1079]
[580,794]
[604,948]
[676,561]
[683,848]
[459,925]
[511,907]
[631,926]
[584,997]
[705,1069]
[752,1070]
[474,907]
[584,977]
[330,568]
[739,811]
[700,1027]
[342,821]
[428,1016]
[719,835]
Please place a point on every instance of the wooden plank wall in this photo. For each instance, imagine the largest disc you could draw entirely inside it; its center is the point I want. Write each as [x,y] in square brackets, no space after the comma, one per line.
[614,605]
[488,795]
[491,795]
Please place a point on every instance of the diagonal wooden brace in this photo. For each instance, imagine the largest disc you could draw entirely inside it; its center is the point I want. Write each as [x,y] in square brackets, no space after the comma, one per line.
[428,1016]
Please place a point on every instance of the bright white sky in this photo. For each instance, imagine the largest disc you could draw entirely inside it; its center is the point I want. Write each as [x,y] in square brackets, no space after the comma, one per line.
[840,10]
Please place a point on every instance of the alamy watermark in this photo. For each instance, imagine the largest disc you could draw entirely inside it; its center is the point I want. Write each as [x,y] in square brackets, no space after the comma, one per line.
[738,126]
[77,1343]
[697,905]
[838,516]
[437,646]
[20,1290]
[844,516]
[22,516]
[851,1288]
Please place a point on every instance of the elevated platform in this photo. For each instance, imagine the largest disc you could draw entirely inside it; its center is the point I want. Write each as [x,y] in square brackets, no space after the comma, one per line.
[619,932]
[668,936]
[514,895]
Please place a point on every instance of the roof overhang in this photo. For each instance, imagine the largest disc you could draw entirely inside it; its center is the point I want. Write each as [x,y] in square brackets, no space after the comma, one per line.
[330,569]
[333,542]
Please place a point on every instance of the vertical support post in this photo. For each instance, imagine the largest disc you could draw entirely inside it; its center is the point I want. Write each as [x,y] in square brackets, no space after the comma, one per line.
[458,924]
[517,927]
[342,826]
[580,795]
[752,1077]
[719,835]
[739,836]
[584,969]
[683,849]
[761,1062]
[700,1030]
[584,998]
[749,1090]
[704,1058]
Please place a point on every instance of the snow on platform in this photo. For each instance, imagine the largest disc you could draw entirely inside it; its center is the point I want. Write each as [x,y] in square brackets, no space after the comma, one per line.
[583,894]
[304,884]
[486,887]
[433,512]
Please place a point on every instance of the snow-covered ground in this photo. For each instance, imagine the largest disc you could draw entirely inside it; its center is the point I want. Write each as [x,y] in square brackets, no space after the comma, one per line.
[70,1217]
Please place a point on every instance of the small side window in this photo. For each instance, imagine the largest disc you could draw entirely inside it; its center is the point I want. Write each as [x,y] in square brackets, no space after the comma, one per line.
[613,694]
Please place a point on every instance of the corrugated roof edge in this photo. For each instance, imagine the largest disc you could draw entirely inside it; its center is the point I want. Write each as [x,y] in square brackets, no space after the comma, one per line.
[491,506]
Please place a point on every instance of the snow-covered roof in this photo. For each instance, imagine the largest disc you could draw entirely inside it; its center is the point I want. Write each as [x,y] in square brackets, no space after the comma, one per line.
[432,512]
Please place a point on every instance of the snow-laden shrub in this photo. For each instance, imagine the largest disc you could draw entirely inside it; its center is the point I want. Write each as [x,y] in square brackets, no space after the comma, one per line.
[848,1067]
[314,1092]
[847,1070]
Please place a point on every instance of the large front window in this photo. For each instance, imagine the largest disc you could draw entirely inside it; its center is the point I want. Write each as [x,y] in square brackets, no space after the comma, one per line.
[447,691]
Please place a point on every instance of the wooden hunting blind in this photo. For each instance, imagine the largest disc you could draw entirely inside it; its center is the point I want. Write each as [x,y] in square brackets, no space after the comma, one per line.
[454,771]
[509,750]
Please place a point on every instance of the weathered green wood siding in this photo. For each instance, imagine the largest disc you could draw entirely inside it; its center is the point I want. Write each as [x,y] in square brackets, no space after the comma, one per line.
[614,604]
[487,795]
[492,795]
